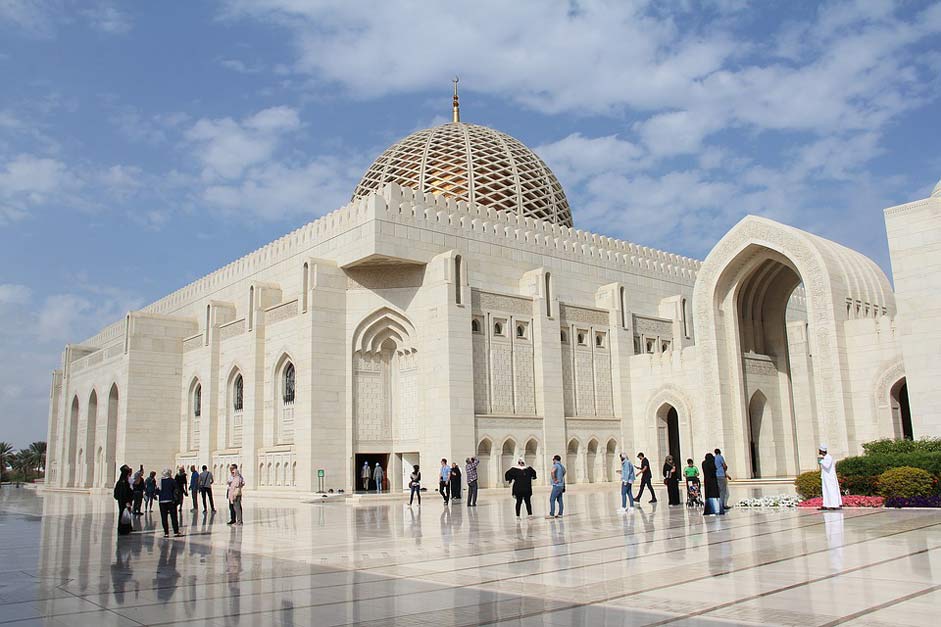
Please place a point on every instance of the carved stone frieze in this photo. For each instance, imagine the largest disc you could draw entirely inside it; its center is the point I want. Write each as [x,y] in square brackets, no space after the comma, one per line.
[571,314]
[386,277]
[488,301]
[653,327]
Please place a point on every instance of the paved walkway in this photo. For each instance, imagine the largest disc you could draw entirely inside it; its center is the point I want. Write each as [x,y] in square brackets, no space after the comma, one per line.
[384,564]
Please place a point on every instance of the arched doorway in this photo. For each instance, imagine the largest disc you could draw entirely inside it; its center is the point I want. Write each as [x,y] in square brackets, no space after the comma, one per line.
[111,440]
[611,461]
[483,469]
[571,462]
[507,456]
[592,460]
[668,433]
[901,410]
[531,452]
[91,428]
[758,425]
[72,478]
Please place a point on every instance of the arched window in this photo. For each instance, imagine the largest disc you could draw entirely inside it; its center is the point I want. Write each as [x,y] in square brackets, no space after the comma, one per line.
[520,331]
[305,287]
[685,323]
[251,307]
[548,295]
[457,279]
[208,318]
[497,328]
[198,400]
[475,326]
[565,337]
[623,307]
[289,383]
[238,393]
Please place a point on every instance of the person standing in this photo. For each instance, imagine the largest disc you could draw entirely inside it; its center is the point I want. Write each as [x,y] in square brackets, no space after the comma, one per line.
[470,469]
[124,497]
[644,469]
[522,478]
[205,488]
[194,488]
[150,491]
[138,489]
[627,483]
[557,480]
[713,503]
[722,476]
[455,480]
[444,481]
[168,501]
[829,482]
[365,474]
[414,485]
[672,480]
[233,494]
[378,475]
[181,492]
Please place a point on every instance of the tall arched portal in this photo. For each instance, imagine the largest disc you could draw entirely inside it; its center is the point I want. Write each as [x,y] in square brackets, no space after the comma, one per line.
[668,434]
[901,410]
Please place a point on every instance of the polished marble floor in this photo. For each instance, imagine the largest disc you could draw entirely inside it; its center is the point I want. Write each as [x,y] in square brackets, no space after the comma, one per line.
[297,563]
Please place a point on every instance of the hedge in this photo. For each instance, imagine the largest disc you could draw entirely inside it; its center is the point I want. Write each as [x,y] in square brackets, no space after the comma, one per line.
[907,482]
[807,484]
[873,465]
[886,446]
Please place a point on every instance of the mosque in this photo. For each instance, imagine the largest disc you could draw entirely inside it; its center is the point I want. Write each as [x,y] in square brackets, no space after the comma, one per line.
[451,309]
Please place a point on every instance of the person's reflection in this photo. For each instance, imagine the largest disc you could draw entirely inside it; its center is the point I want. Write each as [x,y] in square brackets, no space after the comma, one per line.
[167,576]
[445,522]
[208,519]
[415,519]
[630,540]
[233,571]
[646,519]
[833,526]
[121,571]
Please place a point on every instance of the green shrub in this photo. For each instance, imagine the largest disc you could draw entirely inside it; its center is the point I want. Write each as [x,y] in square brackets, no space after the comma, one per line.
[887,446]
[906,482]
[876,464]
[860,485]
[807,484]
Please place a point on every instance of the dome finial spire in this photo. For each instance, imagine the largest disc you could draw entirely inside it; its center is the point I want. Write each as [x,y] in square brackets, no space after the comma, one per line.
[455,104]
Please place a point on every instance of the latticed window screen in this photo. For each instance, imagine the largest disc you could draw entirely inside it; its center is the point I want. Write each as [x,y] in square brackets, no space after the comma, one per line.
[198,401]
[289,383]
[472,163]
[238,393]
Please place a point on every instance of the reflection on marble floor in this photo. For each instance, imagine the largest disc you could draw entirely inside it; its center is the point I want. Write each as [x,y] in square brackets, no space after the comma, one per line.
[385,564]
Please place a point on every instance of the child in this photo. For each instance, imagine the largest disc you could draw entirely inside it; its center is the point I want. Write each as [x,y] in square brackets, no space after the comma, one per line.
[690,472]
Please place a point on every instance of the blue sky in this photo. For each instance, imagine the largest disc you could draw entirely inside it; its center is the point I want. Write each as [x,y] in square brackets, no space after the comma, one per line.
[142,145]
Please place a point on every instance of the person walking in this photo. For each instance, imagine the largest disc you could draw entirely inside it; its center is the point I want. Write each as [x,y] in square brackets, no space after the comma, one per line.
[365,474]
[522,478]
[470,471]
[444,481]
[205,488]
[138,490]
[181,492]
[829,482]
[671,479]
[722,476]
[627,483]
[455,480]
[124,497]
[378,475]
[168,491]
[194,488]
[644,469]
[414,485]
[233,494]
[557,480]
[713,503]
[150,491]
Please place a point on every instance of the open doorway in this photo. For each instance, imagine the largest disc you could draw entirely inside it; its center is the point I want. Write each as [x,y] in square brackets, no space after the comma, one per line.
[901,410]
[668,433]
[370,460]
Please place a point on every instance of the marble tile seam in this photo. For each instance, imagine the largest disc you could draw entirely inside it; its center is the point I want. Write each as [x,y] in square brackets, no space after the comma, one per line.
[882,606]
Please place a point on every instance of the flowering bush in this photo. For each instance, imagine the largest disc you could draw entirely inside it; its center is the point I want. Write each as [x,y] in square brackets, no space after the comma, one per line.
[849,500]
[913,501]
[770,501]
[807,484]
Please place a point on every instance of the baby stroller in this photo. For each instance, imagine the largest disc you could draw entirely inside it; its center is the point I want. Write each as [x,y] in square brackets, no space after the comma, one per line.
[693,493]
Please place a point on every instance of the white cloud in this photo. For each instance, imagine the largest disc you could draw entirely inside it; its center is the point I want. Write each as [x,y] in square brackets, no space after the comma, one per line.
[37,18]
[27,181]
[226,147]
[575,158]
[13,294]
[108,19]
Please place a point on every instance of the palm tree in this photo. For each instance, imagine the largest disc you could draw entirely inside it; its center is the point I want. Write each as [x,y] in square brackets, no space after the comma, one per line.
[38,449]
[6,452]
[22,462]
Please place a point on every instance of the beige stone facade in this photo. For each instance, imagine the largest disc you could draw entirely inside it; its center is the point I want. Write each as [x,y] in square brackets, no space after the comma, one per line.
[410,326]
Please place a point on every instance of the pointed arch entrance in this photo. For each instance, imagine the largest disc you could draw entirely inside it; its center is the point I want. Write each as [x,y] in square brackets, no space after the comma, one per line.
[901,410]
[668,433]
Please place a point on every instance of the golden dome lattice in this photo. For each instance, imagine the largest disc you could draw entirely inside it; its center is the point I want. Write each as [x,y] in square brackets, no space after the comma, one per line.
[473,163]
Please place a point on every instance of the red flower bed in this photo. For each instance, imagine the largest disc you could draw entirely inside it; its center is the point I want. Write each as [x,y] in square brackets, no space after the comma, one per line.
[848,501]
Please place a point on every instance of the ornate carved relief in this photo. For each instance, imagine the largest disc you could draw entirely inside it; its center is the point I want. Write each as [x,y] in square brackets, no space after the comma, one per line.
[281,312]
[760,365]
[572,314]
[653,327]
[232,329]
[488,301]
[387,277]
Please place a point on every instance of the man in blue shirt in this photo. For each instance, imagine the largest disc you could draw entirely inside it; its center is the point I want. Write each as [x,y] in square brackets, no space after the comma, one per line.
[557,478]
[722,477]
[444,484]
[627,482]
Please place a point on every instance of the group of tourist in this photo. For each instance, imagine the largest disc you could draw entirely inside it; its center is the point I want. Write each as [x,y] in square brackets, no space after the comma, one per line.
[133,491]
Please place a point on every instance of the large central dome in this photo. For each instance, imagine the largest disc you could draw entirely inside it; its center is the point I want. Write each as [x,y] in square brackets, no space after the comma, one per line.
[472,163]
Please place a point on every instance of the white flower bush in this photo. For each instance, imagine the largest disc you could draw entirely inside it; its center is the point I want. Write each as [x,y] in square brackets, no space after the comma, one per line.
[782,500]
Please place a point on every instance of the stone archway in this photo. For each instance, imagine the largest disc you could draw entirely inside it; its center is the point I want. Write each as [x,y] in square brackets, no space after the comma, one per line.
[742,300]
[669,414]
